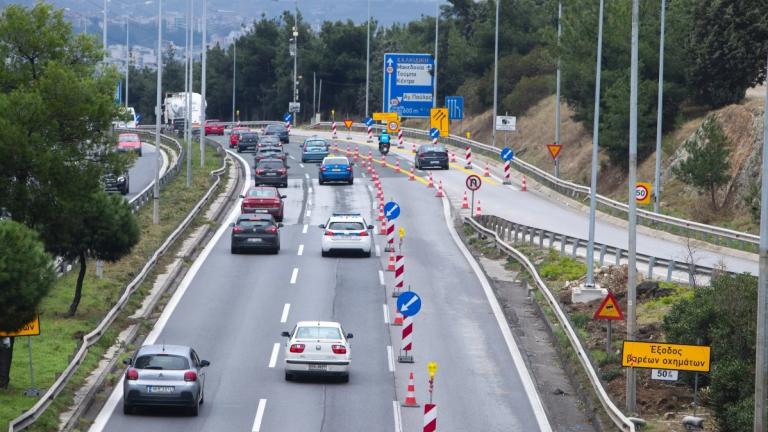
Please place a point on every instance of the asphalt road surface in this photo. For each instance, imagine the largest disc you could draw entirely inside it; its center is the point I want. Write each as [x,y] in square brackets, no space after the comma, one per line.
[142,173]
[232,309]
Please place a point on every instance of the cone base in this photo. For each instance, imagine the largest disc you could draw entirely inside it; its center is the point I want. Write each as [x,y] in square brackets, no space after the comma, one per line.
[413,405]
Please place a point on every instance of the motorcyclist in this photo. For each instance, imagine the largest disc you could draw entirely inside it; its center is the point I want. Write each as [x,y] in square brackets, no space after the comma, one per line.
[384,142]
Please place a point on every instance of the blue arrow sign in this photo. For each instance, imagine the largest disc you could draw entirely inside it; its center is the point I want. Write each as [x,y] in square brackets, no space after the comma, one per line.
[408,82]
[368,121]
[434,133]
[507,154]
[287,117]
[408,303]
[455,105]
[391,210]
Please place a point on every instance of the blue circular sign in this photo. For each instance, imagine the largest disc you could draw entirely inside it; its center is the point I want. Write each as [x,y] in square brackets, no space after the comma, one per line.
[434,133]
[287,117]
[368,121]
[391,210]
[408,303]
[507,154]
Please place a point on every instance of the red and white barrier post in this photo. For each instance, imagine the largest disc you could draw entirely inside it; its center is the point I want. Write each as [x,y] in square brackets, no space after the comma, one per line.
[399,276]
[288,127]
[333,128]
[430,418]
[370,133]
[400,142]
[390,247]
[507,166]
[406,345]
[468,157]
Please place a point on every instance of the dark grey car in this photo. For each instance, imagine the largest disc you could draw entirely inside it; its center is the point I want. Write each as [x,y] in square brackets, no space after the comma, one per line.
[269,152]
[271,172]
[431,156]
[247,141]
[164,375]
[255,231]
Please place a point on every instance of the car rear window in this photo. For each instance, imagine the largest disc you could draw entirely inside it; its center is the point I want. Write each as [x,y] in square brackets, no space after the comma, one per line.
[128,138]
[336,161]
[270,165]
[162,362]
[346,226]
[270,149]
[318,333]
[250,136]
[255,223]
[262,193]
[316,143]
[433,149]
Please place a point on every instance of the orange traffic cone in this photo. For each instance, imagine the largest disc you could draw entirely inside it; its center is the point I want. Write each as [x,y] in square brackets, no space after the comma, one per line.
[431,183]
[398,319]
[397,166]
[478,212]
[391,262]
[384,161]
[410,397]
[439,193]
[523,186]
[487,171]
[381,213]
[464,201]
[412,175]
[413,148]
[370,155]
[453,156]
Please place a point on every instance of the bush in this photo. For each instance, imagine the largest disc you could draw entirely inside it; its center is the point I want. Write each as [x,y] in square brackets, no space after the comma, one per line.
[556,267]
[731,390]
[527,93]
[581,319]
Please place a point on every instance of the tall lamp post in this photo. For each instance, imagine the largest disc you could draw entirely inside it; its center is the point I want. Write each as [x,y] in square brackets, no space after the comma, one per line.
[368,59]
[127,58]
[495,77]
[202,79]
[437,30]
[158,104]
[295,57]
[659,112]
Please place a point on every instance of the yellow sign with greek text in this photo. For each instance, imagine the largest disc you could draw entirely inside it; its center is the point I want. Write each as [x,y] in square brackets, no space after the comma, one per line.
[654,355]
[31,328]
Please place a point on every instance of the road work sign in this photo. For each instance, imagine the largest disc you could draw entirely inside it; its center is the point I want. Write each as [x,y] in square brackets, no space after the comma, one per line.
[654,355]
[408,303]
[609,309]
[643,192]
[385,116]
[31,328]
[438,119]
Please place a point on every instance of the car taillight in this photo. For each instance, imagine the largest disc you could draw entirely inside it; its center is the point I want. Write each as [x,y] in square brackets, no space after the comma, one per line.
[322,168]
[297,348]
[190,376]
[259,171]
[132,374]
[271,230]
[237,229]
[363,233]
[328,233]
[349,168]
[339,349]
[282,170]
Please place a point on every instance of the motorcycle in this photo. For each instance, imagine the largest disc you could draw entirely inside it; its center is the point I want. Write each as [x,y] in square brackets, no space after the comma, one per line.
[383,148]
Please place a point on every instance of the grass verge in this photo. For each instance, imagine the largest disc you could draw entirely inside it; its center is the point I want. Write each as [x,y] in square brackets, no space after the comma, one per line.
[61,336]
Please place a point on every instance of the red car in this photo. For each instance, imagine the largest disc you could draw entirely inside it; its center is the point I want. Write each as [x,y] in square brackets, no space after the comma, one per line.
[233,136]
[265,198]
[214,127]
[129,142]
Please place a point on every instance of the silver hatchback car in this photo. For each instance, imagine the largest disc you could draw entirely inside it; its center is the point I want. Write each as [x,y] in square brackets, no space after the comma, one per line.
[164,375]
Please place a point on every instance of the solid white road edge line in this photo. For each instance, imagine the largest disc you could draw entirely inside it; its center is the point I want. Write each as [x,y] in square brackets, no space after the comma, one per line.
[259,415]
[294,275]
[273,357]
[284,316]
[301,250]
[378,252]
[304,230]
[386,313]
[390,359]
[301,164]
[306,175]
[309,212]
[398,420]
[106,411]
[381,275]
[517,358]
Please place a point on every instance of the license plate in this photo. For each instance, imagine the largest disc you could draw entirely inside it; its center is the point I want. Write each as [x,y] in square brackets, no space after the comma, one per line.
[317,367]
[254,240]
[434,162]
[160,389]
[336,170]
[271,174]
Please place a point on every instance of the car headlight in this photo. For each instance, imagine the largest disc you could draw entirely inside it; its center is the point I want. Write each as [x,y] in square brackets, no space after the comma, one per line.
[121,179]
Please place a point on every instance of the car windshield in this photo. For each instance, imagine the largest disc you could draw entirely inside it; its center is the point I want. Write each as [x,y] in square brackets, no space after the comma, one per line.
[275,128]
[162,361]
[336,161]
[318,333]
[433,149]
[128,138]
[270,165]
[255,223]
[262,193]
[346,226]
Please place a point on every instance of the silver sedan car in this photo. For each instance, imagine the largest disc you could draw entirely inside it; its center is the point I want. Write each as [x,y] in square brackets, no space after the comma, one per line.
[164,375]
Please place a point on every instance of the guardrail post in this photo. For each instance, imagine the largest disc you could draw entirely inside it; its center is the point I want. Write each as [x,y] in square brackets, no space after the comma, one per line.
[515,239]
[602,254]
[541,238]
[619,252]
[531,232]
[562,245]
[670,268]
[575,247]
[691,274]
[651,265]
[551,240]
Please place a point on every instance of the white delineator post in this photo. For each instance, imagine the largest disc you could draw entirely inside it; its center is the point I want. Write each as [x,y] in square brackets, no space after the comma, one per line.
[507,166]
[370,133]
[288,127]
[468,157]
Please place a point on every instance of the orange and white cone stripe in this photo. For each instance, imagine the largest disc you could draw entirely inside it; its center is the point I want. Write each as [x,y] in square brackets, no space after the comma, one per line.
[383,161]
[478,212]
[453,156]
[430,418]
[413,148]
[523,186]
[465,201]
[397,166]
[391,261]
[431,182]
[439,193]
[412,174]
[410,396]
[487,171]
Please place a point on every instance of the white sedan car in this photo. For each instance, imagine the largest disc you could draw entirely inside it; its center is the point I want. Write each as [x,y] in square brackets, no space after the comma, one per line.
[317,348]
[346,232]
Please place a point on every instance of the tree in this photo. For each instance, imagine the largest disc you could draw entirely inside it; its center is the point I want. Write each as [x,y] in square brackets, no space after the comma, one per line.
[101,226]
[707,166]
[26,276]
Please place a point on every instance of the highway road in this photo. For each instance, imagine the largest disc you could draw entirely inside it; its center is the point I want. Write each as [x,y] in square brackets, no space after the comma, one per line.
[232,309]
[142,173]
[537,210]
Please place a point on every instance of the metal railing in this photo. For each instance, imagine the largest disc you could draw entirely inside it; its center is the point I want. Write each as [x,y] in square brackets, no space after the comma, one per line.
[614,413]
[30,416]
[695,230]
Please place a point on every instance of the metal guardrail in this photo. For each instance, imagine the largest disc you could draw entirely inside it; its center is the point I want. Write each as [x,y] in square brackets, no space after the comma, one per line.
[695,230]
[30,416]
[672,269]
[619,419]
[145,196]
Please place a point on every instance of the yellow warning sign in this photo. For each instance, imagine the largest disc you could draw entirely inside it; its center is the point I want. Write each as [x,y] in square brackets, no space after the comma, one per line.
[31,328]
[643,193]
[439,119]
[654,355]
[393,126]
[609,309]
[385,116]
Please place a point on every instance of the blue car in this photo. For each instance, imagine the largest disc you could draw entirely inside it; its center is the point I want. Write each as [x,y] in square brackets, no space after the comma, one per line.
[336,169]
[314,150]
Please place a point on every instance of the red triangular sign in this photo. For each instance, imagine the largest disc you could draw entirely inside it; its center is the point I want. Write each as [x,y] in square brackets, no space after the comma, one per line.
[348,123]
[609,309]
[554,150]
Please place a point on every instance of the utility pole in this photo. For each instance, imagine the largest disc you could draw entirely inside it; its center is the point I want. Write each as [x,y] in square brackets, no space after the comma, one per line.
[368,60]
[761,361]
[127,58]
[659,109]
[314,93]
[437,27]
[557,103]
[295,58]
[104,32]
[190,48]
[158,111]
[234,76]
[202,79]
[632,243]
[595,142]
[495,78]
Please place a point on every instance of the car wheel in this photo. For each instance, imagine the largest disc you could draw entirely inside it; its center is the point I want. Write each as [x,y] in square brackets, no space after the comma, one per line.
[320,181]
[367,254]
[194,410]
[233,250]
[324,253]
[140,153]
[351,181]
[238,150]
[345,378]
[288,376]
[202,398]
[127,409]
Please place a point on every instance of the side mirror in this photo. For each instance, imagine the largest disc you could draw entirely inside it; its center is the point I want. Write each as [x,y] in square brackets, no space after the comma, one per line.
[285,334]
[322,226]
[127,361]
[283,196]
[279,224]
[204,363]
[370,227]
[242,196]
[350,335]
[231,225]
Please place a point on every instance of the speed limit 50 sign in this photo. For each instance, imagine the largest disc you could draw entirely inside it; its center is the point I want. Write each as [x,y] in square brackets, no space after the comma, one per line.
[643,192]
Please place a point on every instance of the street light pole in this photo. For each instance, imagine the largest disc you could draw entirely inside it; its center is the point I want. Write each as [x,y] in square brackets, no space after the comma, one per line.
[158,105]
[595,144]
[127,58]
[437,27]
[495,78]
[659,109]
[632,243]
[557,103]
[104,31]
[295,57]
[368,59]
[190,48]
[234,76]
[761,361]
[202,79]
